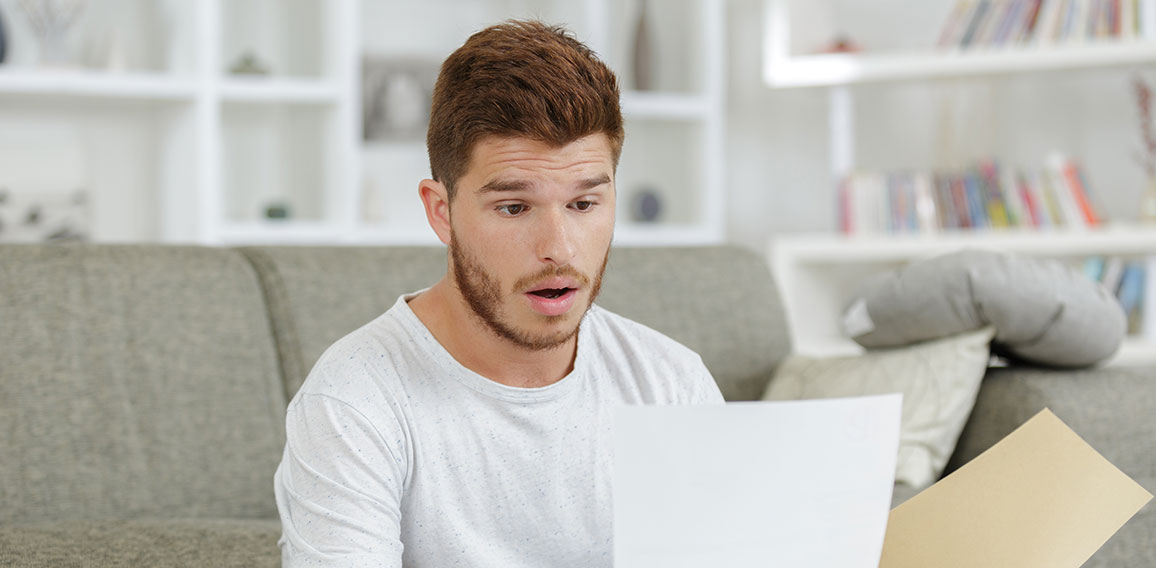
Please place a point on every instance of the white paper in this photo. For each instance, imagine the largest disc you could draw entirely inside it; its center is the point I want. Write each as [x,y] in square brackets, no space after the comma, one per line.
[796,483]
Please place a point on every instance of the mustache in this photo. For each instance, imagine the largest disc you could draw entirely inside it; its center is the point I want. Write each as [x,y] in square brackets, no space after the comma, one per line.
[550,272]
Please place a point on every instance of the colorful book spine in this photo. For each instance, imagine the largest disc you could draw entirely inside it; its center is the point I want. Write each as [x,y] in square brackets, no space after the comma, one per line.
[1131,294]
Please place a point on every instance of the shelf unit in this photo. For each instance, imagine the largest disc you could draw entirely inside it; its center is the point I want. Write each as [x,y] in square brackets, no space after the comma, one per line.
[172,177]
[223,151]
[818,273]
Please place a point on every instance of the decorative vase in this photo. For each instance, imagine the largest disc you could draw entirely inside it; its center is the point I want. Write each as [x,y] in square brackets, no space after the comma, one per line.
[1148,202]
[51,21]
[3,40]
[643,52]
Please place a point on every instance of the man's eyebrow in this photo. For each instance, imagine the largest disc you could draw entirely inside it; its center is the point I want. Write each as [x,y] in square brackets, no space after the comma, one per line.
[591,183]
[504,185]
[521,185]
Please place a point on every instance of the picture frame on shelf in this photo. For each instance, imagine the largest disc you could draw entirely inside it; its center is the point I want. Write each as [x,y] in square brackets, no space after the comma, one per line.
[396,93]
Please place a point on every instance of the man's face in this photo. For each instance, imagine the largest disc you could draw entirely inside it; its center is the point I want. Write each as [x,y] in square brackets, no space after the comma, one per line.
[531,226]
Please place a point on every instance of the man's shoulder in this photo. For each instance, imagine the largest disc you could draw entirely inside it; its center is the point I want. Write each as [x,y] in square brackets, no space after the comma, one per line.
[657,367]
[634,335]
[365,362]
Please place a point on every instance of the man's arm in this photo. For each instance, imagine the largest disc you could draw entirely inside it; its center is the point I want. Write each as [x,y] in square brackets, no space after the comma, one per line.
[339,486]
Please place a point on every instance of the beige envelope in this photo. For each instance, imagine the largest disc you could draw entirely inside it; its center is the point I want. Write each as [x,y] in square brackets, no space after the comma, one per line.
[1041,497]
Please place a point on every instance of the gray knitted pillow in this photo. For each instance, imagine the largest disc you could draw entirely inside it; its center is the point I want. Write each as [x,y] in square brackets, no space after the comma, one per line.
[1043,311]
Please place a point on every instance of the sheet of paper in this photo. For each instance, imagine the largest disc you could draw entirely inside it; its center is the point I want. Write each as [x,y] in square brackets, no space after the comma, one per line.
[799,483]
[1040,498]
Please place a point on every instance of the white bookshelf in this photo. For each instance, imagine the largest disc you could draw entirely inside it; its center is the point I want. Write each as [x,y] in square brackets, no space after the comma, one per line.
[171,169]
[223,149]
[818,275]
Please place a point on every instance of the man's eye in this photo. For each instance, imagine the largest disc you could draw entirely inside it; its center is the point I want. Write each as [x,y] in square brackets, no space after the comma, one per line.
[512,208]
[583,205]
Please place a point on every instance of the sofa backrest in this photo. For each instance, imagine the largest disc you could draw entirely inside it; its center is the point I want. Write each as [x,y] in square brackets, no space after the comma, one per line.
[135,381]
[719,301]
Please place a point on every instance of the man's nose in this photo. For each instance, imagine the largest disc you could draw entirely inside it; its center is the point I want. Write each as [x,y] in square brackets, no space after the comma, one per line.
[555,238]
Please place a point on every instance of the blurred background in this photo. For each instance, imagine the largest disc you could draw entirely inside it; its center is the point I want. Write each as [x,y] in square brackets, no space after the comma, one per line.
[302,121]
[837,137]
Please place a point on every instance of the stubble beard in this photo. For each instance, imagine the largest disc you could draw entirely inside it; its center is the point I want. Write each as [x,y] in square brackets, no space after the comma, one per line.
[483,294]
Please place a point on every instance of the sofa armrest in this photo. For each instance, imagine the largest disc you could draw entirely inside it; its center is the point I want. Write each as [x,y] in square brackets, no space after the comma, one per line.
[1113,409]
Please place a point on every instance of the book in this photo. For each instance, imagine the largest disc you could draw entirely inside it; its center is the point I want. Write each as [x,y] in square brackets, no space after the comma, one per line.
[1078,211]
[994,204]
[976,20]
[1148,319]
[1016,209]
[1044,31]
[927,213]
[1094,268]
[1113,274]
[1030,21]
[1031,206]
[956,24]
[1131,293]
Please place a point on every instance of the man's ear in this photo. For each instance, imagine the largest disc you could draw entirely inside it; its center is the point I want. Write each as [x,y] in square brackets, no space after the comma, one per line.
[436,200]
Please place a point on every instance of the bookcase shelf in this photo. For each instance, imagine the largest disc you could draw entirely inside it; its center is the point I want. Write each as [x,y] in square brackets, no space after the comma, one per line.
[137,86]
[827,70]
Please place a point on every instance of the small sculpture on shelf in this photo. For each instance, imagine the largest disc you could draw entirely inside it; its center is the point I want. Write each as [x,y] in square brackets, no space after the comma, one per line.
[643,52]
[52,21]
[646,207]
[249,64]
[3,39]
[1148,155]
[396,95]
[277,211]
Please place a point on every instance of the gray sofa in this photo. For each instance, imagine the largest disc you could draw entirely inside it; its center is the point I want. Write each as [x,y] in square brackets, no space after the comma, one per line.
[143,388]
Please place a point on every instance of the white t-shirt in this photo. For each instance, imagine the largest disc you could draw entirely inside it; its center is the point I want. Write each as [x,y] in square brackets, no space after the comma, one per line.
[397,454]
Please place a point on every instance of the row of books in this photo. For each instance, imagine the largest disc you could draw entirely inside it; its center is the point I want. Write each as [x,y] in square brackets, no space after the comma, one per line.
[1133,282]
[997,23]
[986,196]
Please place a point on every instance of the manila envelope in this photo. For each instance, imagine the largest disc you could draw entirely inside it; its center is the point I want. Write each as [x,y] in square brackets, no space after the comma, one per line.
[1041,497]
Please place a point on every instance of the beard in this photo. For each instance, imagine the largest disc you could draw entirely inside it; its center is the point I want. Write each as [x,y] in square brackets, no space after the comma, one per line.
[483,294]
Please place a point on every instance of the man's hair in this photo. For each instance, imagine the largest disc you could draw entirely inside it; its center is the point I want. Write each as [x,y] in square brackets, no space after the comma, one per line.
[519,79]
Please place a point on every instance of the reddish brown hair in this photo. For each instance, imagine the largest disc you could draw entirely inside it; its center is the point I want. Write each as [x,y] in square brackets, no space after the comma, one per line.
[519,79]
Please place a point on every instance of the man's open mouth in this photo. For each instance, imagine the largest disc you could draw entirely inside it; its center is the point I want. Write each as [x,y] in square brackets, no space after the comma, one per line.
[551,293]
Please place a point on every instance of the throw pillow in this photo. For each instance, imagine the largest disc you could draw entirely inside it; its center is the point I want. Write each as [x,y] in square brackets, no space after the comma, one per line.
[939,380]
[1043,311]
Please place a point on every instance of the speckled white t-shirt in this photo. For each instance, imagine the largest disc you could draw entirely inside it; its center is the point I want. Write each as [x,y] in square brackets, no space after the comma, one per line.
[398,455]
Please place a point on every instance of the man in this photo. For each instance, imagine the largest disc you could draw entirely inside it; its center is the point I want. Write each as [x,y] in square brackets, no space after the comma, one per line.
[469,425]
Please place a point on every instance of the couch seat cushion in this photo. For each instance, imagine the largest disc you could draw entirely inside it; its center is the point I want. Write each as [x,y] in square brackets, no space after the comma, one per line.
[156,543]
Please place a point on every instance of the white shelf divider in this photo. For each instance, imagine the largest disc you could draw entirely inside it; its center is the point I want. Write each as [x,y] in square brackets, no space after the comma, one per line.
[827,70]
[279,90]
[100,85]
[676,106]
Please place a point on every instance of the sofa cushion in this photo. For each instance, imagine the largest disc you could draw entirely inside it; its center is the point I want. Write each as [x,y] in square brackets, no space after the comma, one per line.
[1043,311]
[719,301]
[137,381]
[319,294]
[939,380]
[156,543]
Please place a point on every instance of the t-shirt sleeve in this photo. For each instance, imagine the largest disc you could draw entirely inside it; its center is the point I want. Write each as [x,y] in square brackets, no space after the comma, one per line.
[706,390]
[339,486]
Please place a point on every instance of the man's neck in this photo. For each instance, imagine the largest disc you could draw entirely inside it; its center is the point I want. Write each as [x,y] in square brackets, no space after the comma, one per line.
[478,348]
